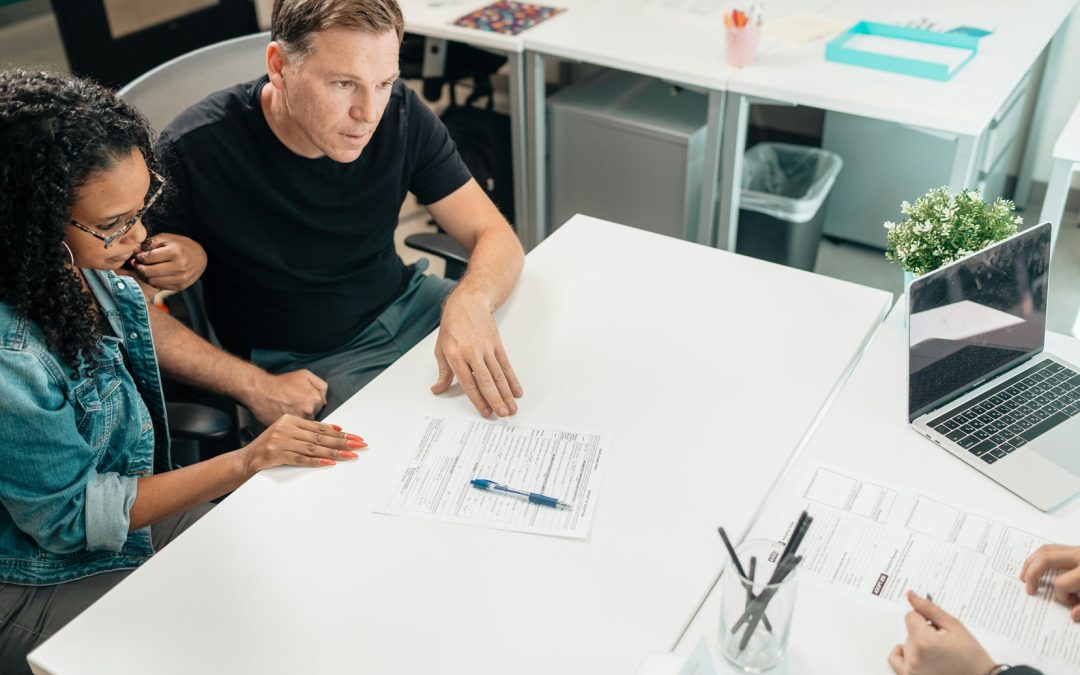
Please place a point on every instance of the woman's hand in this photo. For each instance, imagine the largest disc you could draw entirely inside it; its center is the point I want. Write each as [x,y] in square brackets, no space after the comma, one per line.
[937,644]
[1065,560]
[170,262]
[298,442]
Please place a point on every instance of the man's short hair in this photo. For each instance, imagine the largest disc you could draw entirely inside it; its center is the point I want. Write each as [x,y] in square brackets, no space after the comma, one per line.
[295,21]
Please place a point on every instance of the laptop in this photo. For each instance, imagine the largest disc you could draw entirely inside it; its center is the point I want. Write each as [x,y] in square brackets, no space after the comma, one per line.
[980,384]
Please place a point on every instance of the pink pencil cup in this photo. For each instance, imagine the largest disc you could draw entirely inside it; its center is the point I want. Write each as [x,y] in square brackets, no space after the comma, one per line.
[742,45]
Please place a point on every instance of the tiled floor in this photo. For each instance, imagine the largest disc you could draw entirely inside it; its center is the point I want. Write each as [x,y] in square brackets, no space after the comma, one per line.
[35,41]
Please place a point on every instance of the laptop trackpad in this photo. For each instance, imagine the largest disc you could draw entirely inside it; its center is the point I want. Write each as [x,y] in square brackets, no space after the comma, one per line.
[1061,445]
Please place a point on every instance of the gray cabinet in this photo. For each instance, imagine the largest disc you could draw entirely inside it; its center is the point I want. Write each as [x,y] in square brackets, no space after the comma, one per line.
[627,149]
[886,163]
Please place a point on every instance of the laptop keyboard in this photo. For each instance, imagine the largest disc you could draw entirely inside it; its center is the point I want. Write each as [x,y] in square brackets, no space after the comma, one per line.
[1014,412]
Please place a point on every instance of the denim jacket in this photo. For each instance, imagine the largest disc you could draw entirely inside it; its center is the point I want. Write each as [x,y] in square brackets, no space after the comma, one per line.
[71,451]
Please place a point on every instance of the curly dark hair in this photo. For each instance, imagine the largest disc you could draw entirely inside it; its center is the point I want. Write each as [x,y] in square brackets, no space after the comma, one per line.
[55,132]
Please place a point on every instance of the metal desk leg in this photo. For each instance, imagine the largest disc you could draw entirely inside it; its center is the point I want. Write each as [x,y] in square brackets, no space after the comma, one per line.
[1057,192]
[518,148]
[963,175]
[736,110]
[536,130]
[1037,131]
[710,172]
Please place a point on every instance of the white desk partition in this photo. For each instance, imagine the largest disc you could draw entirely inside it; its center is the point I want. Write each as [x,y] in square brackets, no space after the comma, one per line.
[866,434]
[1066,156]
[706,367]
[639,37]
[436,20]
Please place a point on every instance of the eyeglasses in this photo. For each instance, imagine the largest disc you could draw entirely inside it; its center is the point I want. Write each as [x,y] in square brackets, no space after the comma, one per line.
[154,193]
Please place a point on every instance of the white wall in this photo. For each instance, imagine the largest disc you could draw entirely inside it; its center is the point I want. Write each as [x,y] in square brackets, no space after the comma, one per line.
[1061,91]
[263,9]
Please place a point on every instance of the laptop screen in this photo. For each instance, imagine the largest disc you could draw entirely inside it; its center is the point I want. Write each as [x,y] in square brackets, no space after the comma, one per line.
[975,318]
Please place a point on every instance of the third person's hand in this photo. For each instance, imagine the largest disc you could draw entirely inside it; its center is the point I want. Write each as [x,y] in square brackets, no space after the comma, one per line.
[937,644]
[1065,560]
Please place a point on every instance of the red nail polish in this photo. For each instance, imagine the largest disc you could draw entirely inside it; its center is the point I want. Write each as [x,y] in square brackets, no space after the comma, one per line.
[357,444]
[353,437]
[348,455]
[327,462]
[335,427]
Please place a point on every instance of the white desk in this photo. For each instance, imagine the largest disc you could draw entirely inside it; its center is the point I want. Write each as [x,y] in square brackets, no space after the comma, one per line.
[707,368]
[676,48]
[422,18]
[1066,155]
[866,432]
[630,35]
[961,108]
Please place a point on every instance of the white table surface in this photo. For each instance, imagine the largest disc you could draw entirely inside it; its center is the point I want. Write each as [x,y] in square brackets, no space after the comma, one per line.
[965,104]
[635,36]
[707,368]
[866,433]
[437,21]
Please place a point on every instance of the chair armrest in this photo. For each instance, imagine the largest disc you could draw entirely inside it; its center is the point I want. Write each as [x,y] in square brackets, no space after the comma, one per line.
[198,422]
[444,246]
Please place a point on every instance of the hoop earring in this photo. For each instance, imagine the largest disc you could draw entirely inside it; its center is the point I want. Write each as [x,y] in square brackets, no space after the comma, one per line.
[70,254]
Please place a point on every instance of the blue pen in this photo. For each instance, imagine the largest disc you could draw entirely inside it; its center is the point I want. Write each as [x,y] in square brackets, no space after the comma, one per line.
[534,497]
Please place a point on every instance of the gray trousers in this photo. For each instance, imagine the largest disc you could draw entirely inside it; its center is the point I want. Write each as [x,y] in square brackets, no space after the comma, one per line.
[31,614]
[347,369]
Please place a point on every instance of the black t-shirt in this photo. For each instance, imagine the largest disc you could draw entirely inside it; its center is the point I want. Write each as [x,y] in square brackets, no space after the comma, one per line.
[301,251]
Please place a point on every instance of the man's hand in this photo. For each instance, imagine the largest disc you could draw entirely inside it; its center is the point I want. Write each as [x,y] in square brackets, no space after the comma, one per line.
[1065,560]
[173,262]
[469,348]
[300,393]
[937,644]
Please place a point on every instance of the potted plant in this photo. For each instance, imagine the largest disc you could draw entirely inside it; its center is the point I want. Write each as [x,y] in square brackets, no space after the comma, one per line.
[942,227]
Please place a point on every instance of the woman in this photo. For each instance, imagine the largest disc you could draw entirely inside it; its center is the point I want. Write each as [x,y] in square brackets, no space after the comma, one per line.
[82,403]
[938,644]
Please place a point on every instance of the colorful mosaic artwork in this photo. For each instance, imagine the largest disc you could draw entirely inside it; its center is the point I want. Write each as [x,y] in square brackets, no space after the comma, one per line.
[507,17]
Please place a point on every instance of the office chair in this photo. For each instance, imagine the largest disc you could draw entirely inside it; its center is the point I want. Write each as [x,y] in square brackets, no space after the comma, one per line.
[211,423]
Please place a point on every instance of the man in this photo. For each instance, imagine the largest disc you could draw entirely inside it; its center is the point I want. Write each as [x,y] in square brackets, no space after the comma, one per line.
[293,183]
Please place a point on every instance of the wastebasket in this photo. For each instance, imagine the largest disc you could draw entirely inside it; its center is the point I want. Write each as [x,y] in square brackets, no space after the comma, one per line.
[783,189]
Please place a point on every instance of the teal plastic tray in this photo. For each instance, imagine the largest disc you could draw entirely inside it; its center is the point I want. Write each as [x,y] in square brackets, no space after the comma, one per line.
[838,51]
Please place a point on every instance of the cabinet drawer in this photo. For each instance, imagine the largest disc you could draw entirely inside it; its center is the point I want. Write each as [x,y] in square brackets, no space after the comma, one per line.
[1004,128]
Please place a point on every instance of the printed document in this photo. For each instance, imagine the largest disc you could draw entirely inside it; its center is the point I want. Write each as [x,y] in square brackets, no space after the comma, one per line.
[445,454]
[875,542]
[699,8]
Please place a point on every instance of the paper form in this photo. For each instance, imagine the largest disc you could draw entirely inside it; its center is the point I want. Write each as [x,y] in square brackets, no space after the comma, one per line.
[700,8]
[802,28]
[942,23]
[876,542]
[445,454]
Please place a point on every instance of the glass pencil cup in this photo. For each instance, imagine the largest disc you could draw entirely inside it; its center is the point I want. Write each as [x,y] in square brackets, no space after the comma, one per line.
[755,616]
